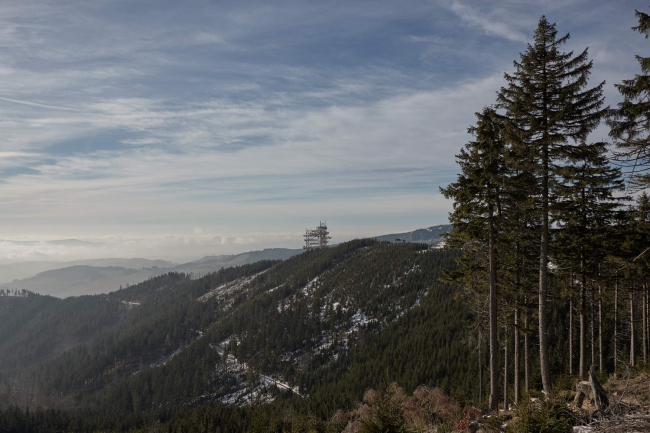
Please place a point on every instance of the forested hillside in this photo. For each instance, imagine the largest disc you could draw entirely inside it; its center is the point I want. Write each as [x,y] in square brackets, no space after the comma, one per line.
[319,328]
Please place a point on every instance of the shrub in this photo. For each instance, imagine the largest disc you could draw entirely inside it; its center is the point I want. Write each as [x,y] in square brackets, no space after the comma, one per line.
[548,416]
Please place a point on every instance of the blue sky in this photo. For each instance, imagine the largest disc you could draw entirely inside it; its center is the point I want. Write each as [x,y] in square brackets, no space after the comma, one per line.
[175,129]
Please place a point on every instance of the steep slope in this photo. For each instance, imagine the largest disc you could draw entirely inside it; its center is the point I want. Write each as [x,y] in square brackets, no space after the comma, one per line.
[35,328]
[322,326]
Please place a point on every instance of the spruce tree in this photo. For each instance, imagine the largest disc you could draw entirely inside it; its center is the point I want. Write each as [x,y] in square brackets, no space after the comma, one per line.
[477,194]
[630,121]
[546,104]
[584,213]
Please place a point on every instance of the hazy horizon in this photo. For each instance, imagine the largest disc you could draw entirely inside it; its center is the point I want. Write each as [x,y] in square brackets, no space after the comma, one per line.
[178,249]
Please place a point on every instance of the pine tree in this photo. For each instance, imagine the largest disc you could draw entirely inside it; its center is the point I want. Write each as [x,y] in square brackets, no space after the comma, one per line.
[584,213]
[477,194]
[630,121]
[547,104]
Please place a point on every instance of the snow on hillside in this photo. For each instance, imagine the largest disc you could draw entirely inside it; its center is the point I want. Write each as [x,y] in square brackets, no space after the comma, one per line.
[225,290]
[252,386]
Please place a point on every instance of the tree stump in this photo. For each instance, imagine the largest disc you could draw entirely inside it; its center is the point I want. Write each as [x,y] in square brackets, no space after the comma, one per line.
[600,396]
[584,387]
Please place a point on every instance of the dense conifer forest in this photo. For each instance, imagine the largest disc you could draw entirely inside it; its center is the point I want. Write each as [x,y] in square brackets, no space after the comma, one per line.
[545,275]
[329,323]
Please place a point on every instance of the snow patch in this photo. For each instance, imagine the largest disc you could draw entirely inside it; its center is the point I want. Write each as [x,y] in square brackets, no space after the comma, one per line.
[248,392]
[226,289]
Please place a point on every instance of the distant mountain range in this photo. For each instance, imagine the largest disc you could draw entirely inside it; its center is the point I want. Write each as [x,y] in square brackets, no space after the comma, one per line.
[94,276]
[59,242]
[429,235]
[83,280]
[214,263]
[90,277]
[20,270]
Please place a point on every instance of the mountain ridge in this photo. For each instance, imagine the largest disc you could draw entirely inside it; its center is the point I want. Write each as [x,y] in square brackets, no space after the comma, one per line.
[111,274]
[82,279]
[429,235]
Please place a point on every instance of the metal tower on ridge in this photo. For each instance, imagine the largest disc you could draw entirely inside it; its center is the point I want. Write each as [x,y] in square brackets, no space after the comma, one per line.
[317,238]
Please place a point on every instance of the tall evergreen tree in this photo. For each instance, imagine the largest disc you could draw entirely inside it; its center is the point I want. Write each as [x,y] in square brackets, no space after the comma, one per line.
[547,104]
[584,213]
[630,121]
[477,197]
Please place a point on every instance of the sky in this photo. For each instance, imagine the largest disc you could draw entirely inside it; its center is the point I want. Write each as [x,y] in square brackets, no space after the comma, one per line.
[167,129]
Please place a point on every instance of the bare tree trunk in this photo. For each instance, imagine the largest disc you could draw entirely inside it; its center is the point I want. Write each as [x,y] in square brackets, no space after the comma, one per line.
[571,336]
[644,314]
[494,349]
[505,368]
[601,355]
[616,323]
[647,316]
[593,329]
[545,368]
[582,331]
[526,354]
[632,354]
[517,377]
[480,366]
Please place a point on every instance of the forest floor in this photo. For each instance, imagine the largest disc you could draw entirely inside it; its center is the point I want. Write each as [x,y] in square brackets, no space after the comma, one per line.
[629,406]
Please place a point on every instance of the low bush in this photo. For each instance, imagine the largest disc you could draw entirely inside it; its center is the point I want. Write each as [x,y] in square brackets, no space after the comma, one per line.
[547,416]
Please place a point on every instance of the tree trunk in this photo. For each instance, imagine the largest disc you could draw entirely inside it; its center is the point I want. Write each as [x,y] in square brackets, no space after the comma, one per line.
[582,337]
[545,368]
[494,349]
[645,323]
[526,354]
[647,316]
[632,354]
[601,355]
[505,369]
[571,336]
[517,373]
[593,329]
[480,367]
[616,323]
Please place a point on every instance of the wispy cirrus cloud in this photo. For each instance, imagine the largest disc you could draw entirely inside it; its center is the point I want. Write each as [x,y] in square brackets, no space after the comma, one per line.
[36,104]
[148,119]
[489,23]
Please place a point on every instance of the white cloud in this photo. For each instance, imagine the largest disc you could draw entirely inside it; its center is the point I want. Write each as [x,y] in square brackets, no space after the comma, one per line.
[227,118]
[488,23]
[35,104]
